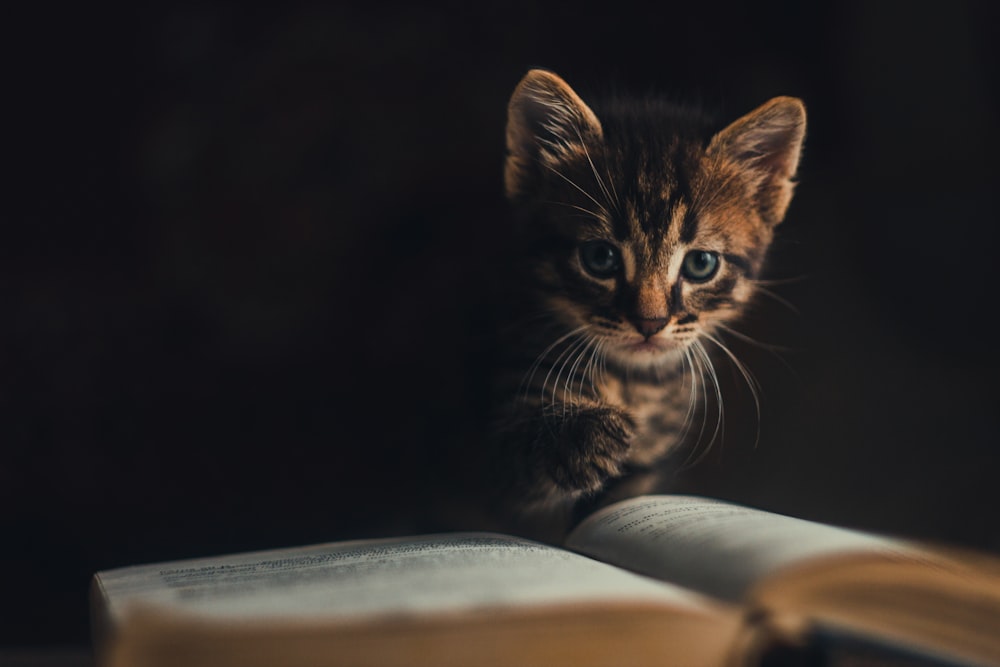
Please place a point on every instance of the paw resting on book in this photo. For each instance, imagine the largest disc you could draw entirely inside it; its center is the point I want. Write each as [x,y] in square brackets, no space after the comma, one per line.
[589,447]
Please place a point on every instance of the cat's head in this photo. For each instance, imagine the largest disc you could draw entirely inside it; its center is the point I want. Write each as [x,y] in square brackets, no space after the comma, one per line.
[647,227]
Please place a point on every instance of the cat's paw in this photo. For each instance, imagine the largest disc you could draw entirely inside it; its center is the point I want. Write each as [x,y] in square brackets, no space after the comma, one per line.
[590,448]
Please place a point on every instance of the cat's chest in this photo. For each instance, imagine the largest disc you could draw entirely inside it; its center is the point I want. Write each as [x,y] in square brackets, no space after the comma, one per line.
[661,408]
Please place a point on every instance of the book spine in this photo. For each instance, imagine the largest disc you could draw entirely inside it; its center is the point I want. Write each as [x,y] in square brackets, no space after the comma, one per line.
[829,646]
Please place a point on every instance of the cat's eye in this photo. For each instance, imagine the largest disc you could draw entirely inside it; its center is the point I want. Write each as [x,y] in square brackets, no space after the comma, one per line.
[700,265]
[600,259]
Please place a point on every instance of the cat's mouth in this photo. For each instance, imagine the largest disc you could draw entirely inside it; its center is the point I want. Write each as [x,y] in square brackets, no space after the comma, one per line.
[653,345]
[641,352]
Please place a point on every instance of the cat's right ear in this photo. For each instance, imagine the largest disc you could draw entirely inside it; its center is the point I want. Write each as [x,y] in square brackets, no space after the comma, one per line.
[547,124]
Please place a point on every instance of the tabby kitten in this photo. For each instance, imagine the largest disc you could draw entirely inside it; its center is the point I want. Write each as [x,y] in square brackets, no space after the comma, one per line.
[641,233]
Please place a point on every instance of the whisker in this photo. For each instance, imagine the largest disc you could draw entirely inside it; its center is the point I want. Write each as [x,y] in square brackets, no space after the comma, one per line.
[568,350]
[698,384]
[586,194]
[709,371]
[573,369]
[567,355]
[771,282]
[589,355]
[600,182]
[759,288]
[696,373]
[748,377]
[604,364]
[775,350]
[692,391]
[616,201]
[588,370]
[530,374]
[770,347]
[587,211]
[600,369]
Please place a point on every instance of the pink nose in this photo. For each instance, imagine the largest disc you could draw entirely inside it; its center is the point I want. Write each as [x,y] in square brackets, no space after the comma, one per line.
[649,327]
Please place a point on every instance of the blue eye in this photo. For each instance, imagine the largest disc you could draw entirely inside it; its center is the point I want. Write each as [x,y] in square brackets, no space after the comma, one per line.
[600,259]
[700,265]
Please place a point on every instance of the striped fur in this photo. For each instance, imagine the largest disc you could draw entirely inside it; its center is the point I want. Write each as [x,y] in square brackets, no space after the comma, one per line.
[587,395]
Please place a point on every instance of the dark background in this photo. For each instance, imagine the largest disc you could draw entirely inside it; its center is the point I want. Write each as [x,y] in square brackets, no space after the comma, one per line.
[200,201]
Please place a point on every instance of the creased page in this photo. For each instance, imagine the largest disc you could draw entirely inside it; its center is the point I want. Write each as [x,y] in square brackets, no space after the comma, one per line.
[370,578]
[708,545]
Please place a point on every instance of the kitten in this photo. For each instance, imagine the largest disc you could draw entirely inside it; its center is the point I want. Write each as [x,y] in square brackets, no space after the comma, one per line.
[640,232]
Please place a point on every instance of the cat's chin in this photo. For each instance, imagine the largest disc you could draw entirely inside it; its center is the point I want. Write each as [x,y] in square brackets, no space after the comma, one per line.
[649,352]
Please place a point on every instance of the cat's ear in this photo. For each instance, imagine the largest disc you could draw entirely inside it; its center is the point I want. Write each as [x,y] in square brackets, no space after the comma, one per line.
[547,123]
[765,145]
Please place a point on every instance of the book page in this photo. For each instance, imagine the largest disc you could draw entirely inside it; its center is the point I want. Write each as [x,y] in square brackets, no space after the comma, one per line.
[370,578]
[712,546]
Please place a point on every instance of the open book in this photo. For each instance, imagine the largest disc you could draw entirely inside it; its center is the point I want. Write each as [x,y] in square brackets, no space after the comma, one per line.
[655,580]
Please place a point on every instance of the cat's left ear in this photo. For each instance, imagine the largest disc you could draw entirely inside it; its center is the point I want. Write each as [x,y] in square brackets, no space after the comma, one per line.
[765,145]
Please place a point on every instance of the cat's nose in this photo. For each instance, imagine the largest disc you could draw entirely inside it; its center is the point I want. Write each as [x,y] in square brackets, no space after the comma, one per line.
[648,327]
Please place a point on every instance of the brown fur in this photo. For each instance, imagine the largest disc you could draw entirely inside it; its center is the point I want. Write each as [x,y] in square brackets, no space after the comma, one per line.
[599,373]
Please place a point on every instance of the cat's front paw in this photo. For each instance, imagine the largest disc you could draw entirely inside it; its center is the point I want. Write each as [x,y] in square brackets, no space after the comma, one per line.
[590,448]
